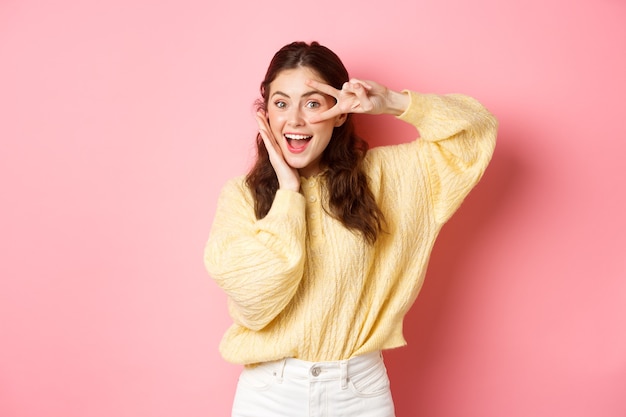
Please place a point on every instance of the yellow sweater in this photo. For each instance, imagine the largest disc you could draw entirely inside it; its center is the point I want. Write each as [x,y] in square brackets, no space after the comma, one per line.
[301,285]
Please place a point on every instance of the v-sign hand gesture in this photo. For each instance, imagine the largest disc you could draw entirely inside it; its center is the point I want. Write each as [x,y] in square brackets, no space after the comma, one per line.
[357,96]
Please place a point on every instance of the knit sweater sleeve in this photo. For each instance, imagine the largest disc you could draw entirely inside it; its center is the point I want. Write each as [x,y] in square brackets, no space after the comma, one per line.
[258,263]
[458,138]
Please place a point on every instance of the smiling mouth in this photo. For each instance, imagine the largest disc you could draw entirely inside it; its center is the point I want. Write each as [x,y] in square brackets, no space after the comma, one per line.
[297,142]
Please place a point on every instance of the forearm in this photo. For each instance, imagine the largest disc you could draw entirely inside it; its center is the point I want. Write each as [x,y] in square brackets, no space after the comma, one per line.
[397,102]
[457,140]
[442,117]
[258,263]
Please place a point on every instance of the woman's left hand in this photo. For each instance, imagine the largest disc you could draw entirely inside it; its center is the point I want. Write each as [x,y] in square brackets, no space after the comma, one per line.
[357,96]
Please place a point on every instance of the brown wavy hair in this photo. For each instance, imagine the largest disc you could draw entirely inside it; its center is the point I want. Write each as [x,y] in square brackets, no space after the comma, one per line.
[350,198]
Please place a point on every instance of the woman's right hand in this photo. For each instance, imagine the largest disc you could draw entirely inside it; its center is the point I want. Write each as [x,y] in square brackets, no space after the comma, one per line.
[288,177]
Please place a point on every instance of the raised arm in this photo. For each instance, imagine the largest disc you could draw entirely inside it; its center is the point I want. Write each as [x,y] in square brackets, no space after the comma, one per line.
[457,140]
[457,135]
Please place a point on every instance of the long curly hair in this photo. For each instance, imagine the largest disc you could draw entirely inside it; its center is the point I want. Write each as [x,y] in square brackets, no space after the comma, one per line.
[350,199]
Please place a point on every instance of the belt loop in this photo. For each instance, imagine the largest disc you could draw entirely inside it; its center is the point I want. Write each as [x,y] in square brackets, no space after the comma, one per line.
[280,371]
[343,374]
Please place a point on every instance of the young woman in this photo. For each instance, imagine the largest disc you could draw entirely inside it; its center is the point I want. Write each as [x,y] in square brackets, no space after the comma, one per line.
[322,247]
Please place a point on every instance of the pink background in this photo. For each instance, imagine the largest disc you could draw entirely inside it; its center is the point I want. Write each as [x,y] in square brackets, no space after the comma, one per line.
[121,120]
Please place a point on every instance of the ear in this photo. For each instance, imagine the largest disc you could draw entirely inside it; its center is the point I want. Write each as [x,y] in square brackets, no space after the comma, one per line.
[341,119]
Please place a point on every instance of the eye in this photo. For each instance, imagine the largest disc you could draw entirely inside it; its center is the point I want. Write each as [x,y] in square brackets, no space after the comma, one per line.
[280,104]
[312,104]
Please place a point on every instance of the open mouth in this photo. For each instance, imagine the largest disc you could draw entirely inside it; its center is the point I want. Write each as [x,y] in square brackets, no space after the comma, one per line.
[297,143]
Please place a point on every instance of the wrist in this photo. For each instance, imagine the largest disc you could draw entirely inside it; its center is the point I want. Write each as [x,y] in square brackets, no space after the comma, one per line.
[397,102]
[293,185]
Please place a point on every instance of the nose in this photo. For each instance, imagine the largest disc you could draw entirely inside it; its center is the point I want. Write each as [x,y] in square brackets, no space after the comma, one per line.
[295,117]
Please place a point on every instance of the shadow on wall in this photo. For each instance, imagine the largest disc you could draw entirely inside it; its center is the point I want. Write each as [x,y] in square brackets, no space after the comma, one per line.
[411,367]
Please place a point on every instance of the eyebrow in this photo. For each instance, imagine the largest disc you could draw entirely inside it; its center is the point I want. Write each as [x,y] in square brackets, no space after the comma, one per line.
[307,94]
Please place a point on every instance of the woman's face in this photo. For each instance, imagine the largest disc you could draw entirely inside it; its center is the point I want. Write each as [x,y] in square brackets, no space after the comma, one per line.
[290,105]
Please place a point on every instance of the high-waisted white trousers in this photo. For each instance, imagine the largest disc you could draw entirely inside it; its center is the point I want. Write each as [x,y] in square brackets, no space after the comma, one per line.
[358,387]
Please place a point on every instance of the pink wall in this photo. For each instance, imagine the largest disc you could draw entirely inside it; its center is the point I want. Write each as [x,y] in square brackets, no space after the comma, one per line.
[120,120]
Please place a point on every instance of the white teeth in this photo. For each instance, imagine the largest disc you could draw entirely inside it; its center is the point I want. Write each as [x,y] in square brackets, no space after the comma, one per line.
[297,137]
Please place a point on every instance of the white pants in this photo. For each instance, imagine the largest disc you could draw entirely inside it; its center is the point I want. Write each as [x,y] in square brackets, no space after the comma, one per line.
[358,387]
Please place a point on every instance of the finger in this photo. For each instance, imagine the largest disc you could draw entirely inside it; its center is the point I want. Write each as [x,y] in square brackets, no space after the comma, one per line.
[268,138]
[261,122]
[363,104]
[325,115]
[324,88]
[287,176]
[264,124]
[267,141]
[361,82]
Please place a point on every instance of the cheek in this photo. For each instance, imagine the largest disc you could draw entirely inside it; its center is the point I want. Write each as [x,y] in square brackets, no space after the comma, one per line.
[276,120]
[326,129]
